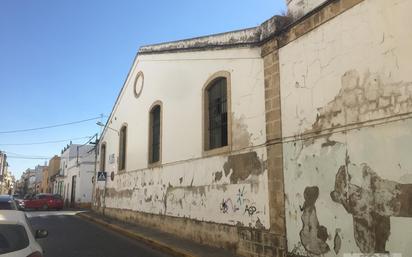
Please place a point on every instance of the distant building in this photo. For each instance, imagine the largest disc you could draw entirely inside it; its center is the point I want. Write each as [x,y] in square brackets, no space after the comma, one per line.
[3,164]
[53,172]
[74,182]
[45,180]
[28,180]
[38,174]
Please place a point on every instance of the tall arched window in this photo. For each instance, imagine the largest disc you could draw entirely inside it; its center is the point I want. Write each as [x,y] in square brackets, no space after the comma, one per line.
[216,114]
[103,157]
[155,134]
[122,148]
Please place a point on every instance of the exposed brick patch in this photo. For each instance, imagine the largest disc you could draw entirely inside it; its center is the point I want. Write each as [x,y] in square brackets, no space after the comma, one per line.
[260,243]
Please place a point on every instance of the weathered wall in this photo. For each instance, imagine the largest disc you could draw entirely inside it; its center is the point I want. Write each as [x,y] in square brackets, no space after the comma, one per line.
[298,8]
[346,91]
[226,189]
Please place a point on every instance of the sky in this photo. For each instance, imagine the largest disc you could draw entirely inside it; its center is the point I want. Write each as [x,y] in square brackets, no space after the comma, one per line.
[65,61]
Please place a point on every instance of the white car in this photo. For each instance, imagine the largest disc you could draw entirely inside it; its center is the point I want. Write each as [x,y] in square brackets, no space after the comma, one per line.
[17,238]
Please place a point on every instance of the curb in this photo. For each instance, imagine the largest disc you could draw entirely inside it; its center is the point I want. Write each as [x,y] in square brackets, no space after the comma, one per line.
[175,251]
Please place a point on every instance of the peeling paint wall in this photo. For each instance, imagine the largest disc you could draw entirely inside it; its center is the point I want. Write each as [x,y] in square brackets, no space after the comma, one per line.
[346,96]
[229,188]
[195,190]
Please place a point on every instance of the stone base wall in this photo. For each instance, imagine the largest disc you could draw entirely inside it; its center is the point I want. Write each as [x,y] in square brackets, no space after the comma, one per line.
[84,205]
[261,243]
[243,241]
[213,234]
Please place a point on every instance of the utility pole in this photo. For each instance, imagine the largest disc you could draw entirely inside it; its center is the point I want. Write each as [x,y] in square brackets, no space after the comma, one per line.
[94,180]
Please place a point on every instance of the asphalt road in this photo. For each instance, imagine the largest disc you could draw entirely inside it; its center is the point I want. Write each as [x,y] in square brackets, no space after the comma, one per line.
[71,236]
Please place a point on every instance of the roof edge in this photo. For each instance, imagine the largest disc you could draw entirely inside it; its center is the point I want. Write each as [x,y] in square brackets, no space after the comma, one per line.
[238,38]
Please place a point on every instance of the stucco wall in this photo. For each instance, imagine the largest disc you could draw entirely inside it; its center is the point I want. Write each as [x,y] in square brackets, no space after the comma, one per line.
[83,168]
[230,188]
[346,92]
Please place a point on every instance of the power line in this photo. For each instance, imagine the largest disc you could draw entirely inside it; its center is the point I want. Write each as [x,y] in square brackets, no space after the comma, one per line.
[25,155]
[47,142]
[50,126]
[27,158]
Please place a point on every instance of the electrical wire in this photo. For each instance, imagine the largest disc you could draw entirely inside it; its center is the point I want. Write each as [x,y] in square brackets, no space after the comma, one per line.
[50,126]
[24,155]
[47,142]
[28,158]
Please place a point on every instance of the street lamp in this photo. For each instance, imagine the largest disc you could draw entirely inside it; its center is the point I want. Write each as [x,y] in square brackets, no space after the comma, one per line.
[99,123]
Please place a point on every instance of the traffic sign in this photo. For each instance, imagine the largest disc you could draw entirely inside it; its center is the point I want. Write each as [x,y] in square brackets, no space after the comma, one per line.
[101,176]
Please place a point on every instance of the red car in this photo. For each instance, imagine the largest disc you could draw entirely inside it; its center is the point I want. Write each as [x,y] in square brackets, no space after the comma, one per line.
[44,202]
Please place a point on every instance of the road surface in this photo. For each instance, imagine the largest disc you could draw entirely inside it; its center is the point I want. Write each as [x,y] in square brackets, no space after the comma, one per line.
[71,236]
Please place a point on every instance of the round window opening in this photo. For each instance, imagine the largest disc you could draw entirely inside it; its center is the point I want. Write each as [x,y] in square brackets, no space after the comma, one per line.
[138,84]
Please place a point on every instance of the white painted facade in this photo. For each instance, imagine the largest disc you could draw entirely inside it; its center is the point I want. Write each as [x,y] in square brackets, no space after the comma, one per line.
[350,77]
[77,161]
[187,183]
[346,104]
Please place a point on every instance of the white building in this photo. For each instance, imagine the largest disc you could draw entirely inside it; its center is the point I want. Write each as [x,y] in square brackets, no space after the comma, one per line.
[77,167]
[38,178]
[290,138]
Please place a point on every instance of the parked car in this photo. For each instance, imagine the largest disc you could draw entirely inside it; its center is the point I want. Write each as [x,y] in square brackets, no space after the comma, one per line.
[7,202]
[17,238]
[44,202]
[18,199]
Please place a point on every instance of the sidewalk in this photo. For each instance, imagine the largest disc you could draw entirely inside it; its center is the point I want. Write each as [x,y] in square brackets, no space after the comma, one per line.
[166,242]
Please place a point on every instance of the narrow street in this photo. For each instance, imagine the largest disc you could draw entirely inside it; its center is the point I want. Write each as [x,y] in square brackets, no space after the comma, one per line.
[71,236]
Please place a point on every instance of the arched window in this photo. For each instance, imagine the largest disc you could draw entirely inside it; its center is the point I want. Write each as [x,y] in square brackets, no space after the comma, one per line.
[122,148]
[216,113]
[103,157]
[155,134]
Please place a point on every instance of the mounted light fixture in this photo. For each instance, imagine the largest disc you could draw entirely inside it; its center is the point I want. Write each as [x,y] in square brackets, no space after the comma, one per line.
[99,123]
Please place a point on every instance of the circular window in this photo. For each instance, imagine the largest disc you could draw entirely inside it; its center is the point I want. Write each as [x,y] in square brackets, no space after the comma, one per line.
[138,84]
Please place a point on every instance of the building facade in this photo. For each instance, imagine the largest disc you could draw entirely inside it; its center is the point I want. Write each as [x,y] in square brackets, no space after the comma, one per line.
[45,180]
[77,168]
[288,139]
[27,182]
[53,172]
[3,165]
[38,178]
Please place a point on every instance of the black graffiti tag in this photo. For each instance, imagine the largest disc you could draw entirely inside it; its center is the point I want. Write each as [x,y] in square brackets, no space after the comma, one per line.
[250,210]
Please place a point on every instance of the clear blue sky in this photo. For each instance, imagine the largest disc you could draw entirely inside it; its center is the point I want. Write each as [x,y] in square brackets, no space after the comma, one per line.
[66,60]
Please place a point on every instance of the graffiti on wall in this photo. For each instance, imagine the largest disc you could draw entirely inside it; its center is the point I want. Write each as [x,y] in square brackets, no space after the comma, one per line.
[203,189]
[242,203]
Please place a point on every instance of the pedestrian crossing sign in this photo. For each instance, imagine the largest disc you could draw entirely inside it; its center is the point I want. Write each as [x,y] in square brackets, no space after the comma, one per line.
[101,176]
